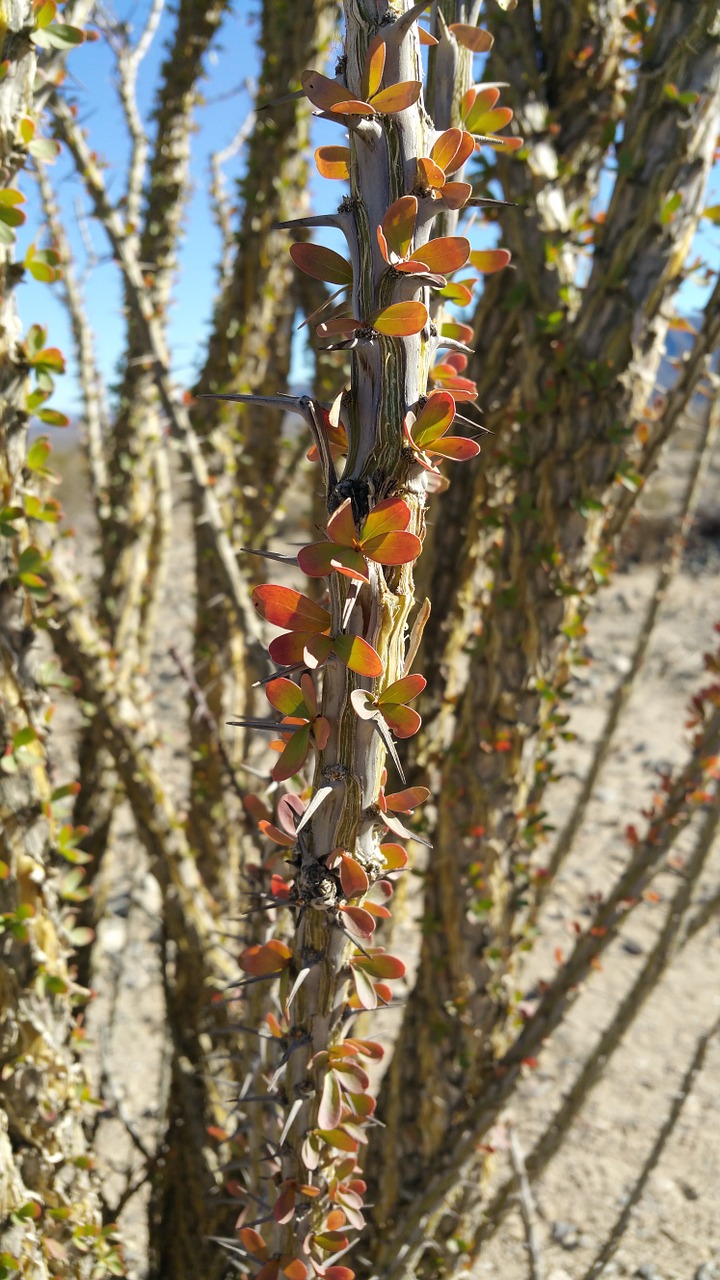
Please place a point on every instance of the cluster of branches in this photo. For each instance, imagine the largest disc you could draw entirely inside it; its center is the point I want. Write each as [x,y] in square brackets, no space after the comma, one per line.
[269,1102]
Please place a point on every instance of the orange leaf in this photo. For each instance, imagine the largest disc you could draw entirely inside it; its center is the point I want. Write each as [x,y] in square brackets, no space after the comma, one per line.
[321,91]
[333,162]
[263,959]
[398,225]
[398,97]
[456,194]
[430,174]
[354,881]
[446,147]
[285,607]
[253,1242]
[374,67]
[359,922]
[490,260]
[445,254]
[400,319]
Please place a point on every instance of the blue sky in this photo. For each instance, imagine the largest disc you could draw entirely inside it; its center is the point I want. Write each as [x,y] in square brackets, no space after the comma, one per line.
[91,80]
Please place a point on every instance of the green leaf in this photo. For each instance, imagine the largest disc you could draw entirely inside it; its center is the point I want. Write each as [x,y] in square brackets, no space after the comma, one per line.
[712,214]
[45,13]
[57,36]
[46,149]
[38,454]
[9,196]
[11,216]
[53,418]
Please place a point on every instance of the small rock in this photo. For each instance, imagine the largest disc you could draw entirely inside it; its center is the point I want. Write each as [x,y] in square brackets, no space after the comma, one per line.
[648,1272]
[708,1271]
[565,1234]
[632,948]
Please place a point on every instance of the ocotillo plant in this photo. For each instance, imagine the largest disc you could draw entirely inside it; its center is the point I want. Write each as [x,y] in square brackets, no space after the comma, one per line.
[379,446]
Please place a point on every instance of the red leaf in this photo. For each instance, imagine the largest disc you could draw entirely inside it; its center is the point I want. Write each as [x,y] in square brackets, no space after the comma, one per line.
[321,732]
[358,655]
[403,690]
[331,1107]
[321,263]
[262,959]
[338,326]
[333,162]
[284,1207]
[473,38]
[398,225]
[321,558]
[407,800]
[490,260]
[398,97]
[290,609]
[339,1273]
[403,721]
[445,254]
[358,922]
[317,650]
[457,448]
[270,1271]
[374,67]
[460,332]
[353,879]
[379,964]
[341,525]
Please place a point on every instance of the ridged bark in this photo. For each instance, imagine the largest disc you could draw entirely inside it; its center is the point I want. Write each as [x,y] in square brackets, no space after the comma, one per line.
[524,541]
[44,1159]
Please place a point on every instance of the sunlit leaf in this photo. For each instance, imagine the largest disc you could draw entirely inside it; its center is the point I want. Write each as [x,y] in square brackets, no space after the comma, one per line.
[463,153]
[459,292]
[456,194]
[286,696]
[476,103]
[273,833]
[322,558]
[364,988]
[358,655]
[331,1107]
[333,162]
[490,122]
[294,755]
[388,516]
[446,147]
[473,38]
[321,263]
[425,37]
[364,704]
[318,650]
[490,260]
[396,858]
[339,1273]
[340,1139]
[341,525]
[393,548]
[457,448]
[403,690]
[374,67]
[293,1268]
[263,959]
[287,608]
[398,97]
[353,879]
[460,332]
[404,722]
[398,225]
[445,254]
[430,174]
[504,144]
[339,326]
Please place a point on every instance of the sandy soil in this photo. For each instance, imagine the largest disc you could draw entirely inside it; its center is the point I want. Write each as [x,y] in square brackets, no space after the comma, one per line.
[675,1232]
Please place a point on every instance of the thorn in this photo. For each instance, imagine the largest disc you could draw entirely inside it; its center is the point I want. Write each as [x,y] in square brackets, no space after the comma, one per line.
[403,24]
[476,426]
[454,345]
[278,102]
[384,733]
[313,220]
[281,671]
[269,555]
[289,403]
[321,794]
[270,726]
[297,1104]
[482,200]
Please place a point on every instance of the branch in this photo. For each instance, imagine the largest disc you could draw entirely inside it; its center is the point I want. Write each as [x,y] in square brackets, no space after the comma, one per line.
[527,1206]
[219,199]
[176,412]
[91,384]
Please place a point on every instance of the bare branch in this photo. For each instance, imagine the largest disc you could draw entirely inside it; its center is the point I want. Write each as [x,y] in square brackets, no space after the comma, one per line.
[176,412]
[527,1205]
[219,199]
